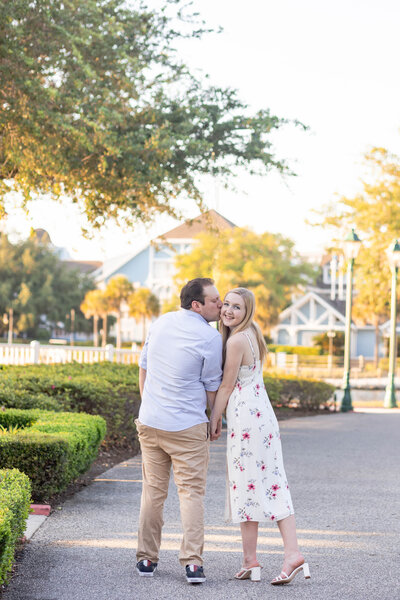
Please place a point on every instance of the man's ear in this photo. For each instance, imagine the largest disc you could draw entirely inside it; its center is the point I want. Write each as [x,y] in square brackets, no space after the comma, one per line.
[196,306]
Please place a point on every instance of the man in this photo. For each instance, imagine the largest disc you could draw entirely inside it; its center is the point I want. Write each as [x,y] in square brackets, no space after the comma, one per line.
[179,371]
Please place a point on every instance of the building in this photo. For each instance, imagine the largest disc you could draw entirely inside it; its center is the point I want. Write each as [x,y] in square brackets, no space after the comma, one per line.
[320,309]
[153,266]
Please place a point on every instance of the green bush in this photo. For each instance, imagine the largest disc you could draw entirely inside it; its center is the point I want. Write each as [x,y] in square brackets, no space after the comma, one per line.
[302,350]
[15,398]
[384,364]
[15,493]
[52,449]
[304,394]
[107,389]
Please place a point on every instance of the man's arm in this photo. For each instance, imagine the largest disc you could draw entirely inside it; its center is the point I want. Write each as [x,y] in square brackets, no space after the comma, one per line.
[212,374]
[142,379]
[143,365]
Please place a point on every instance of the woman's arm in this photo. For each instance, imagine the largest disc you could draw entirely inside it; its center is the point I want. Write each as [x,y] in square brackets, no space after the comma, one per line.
[235,348]
[210,401]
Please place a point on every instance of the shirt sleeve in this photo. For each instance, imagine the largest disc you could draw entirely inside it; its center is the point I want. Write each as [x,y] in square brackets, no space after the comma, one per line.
[143,354]
[211,373]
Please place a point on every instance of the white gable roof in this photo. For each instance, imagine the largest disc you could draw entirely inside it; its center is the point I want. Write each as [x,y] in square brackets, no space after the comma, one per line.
[294,308]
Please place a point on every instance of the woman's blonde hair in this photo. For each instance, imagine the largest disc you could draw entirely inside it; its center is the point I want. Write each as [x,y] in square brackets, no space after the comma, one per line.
[250,308]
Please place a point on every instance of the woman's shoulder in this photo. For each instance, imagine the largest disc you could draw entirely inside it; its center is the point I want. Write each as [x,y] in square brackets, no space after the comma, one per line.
[238,340]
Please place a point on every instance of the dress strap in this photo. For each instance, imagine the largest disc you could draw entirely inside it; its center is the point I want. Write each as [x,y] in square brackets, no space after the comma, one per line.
[251,346]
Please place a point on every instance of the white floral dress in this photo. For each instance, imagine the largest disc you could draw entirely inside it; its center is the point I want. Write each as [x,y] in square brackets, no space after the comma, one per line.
[257,488]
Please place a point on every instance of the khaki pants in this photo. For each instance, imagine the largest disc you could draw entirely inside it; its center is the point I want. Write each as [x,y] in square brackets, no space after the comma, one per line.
[188,452]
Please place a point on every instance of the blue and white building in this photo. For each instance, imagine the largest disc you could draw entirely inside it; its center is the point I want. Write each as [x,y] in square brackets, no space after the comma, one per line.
[153,266]
[321,309]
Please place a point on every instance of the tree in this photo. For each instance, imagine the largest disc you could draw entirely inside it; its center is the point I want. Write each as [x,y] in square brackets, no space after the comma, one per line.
[372,282]
[375,214]
[39,287]
[171,304]
[117,293]
[97,105]
[95,305]
[143,304]
[322,340]
[266,263]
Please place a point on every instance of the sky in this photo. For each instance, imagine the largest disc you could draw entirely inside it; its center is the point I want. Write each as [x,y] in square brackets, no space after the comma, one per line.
[331,65]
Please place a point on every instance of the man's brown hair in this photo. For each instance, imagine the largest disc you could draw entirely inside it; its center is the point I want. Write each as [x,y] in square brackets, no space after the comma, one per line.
[194,290]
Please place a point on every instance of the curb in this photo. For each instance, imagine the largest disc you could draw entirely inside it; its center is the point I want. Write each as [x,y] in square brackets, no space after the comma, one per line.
[40,509]
[38,515]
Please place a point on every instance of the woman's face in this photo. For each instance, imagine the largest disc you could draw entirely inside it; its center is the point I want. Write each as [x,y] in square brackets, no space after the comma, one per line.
[233,310]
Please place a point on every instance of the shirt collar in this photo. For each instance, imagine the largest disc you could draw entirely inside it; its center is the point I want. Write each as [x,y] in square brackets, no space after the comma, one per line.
[196,315]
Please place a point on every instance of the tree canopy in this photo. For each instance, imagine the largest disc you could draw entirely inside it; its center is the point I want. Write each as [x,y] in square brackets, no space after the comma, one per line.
[116,294]
[94,306]
[39,287]
[143,304]
[96,105]
[375,214]
[265,263]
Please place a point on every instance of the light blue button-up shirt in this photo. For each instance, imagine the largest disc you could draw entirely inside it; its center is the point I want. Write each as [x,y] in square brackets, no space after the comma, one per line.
[183,358]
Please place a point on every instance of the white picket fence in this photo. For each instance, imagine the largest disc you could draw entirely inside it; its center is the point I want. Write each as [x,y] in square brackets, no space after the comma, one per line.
[36,353]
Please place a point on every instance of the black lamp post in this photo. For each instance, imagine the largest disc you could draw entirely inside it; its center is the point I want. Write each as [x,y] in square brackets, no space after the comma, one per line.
[394,260]
[351,249]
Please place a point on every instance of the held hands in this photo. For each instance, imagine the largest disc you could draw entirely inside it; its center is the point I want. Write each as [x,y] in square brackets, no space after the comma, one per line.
[215,427]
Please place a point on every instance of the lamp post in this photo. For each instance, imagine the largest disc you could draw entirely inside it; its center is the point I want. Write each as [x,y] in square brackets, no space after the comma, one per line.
[393,253]
[10,325]
[351,248]
[72,325]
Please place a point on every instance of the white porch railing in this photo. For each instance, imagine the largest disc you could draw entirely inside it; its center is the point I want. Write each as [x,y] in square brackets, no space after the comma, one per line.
[36,353]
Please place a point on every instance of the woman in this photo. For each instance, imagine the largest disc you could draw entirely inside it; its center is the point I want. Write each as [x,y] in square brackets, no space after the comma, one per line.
[257,487]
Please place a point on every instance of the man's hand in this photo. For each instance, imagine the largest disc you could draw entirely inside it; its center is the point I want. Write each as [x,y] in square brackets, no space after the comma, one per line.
[215,428]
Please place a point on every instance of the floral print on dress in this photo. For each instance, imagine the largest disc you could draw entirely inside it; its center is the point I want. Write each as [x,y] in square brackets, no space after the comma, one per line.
[237,464]
[256,480]
[246,435]
[257,412]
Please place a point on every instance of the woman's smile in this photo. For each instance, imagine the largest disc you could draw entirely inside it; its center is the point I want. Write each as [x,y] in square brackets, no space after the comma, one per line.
[233,310]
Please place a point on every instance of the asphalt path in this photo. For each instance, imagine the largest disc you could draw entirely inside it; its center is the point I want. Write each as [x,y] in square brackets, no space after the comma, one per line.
[343,471]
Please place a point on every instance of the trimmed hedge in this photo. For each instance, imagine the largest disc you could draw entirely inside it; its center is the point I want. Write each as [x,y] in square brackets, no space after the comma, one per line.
[112,391]
[304,394]
[15,493]
[52,449]
[107,389]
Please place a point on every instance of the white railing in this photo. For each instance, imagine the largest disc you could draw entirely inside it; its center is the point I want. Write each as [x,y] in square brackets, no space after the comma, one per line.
[36,353]
[320,367]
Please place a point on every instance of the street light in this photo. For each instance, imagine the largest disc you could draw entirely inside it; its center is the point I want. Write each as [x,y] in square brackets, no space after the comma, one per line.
[10,325]
[393,253]
[351,248]
[72,325]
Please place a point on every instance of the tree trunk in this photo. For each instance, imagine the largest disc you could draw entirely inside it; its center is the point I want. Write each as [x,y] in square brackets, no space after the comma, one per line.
[376,348]
[118,331]
[95,330]
[104,336]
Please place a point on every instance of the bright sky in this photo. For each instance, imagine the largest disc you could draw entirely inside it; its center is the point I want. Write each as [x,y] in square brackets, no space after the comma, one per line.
[332,65]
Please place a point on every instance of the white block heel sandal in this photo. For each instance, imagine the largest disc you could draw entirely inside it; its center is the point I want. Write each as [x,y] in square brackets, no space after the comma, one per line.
[254,574]
[284,578]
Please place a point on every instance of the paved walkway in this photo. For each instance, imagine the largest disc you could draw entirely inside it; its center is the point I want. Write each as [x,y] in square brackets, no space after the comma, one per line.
[344,475]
